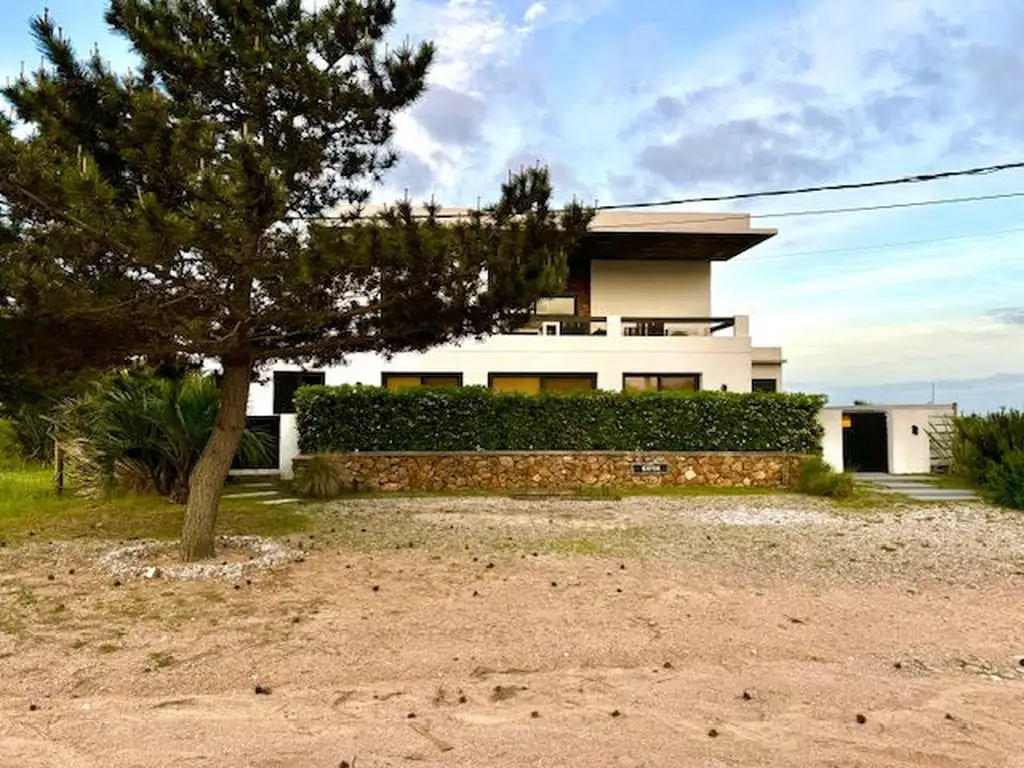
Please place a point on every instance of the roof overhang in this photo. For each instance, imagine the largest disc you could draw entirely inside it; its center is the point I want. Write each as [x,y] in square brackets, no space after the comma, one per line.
[671,235]
[673,246]
[646,234]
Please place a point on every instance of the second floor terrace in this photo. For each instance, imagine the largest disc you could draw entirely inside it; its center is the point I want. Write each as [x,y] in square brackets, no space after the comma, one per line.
[621,325]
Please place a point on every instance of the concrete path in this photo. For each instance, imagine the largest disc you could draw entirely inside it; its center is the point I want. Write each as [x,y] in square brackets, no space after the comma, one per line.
[917,487]
[264,492]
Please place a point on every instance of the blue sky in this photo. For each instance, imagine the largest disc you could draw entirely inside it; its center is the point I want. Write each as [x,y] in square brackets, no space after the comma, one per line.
[632,100]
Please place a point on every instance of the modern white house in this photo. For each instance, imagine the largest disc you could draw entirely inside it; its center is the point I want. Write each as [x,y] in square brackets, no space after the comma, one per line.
[635,315]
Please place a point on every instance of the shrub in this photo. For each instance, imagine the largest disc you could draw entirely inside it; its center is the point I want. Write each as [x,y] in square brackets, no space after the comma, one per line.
[818,478]
[32,432]
[980,442]
[988,451]
[320,478]
[363,418]
[134,430]
[9,453]
[1006,480]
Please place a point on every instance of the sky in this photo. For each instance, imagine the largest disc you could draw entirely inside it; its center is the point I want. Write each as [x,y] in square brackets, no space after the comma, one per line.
[639,100]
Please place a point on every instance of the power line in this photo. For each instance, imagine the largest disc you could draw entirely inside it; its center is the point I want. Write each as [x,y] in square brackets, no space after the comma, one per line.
[916,179]
[920,178]
[830,211]
[928,241]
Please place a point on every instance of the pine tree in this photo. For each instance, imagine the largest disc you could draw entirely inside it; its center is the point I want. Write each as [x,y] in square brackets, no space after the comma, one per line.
[172,210]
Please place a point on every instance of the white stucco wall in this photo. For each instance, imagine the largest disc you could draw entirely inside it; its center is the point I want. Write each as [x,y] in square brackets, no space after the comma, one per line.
[288,447]
[650,288]
[832,443]
[718,360]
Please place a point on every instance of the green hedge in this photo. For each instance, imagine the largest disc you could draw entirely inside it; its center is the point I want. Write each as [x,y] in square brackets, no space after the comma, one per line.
[363,418]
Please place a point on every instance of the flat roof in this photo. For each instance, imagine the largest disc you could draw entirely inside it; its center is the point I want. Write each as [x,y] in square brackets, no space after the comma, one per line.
[660,235]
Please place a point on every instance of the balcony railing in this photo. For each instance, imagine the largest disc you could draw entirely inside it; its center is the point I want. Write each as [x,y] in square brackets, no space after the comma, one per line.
[676,326]
[565,325]
[571,325]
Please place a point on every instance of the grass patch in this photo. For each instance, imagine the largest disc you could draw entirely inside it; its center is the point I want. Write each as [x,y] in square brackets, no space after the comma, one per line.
[161,660]
[613,542]
[30,507]
[952,482]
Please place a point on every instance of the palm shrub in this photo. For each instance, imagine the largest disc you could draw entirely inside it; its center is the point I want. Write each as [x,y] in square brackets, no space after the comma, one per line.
[819,478]
[318,477]
[981,442]
[138,431]
[1006,480]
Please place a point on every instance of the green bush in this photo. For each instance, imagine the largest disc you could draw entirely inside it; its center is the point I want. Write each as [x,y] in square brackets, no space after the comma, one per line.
[1006,480]
[134,430]
[988,452]
[979,443]
[32,432]
[363,418]
[9,452]
[818,478]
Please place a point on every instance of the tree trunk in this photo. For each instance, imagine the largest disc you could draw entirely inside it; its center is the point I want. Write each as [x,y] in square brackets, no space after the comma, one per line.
[210,472]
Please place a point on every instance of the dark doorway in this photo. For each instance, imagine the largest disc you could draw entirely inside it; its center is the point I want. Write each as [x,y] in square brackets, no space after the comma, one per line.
[865,442]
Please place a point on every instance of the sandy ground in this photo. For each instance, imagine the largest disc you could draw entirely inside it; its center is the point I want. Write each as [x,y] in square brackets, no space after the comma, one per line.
[669,632]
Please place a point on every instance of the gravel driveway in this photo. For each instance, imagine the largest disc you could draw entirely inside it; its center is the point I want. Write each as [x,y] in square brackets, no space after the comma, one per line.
[659,632]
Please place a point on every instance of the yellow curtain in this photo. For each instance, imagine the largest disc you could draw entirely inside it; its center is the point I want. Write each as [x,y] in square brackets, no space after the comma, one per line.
[566,383]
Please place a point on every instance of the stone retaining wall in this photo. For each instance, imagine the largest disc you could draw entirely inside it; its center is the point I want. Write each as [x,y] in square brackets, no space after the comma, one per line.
[550,470]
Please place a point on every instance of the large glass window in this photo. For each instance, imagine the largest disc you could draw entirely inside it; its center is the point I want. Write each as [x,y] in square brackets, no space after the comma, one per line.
[534,384]
[397,381]
[661,382]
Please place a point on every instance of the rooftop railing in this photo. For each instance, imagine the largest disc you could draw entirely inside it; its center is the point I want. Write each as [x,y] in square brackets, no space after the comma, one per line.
[572,325]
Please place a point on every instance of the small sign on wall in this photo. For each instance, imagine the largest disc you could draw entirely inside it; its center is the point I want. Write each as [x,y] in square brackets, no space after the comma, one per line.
[648,468]
[847,422]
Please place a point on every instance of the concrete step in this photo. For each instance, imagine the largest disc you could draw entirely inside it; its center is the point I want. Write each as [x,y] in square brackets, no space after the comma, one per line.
[250,495]
[281,501]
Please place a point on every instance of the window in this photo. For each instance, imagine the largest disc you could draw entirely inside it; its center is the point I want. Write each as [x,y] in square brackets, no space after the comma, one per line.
[397,381]
[287,382]
[764,385]
[535,383]
[556,305]
[661,382]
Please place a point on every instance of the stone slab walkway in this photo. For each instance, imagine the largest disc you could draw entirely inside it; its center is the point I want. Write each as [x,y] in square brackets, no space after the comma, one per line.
[263,491]
[917,487]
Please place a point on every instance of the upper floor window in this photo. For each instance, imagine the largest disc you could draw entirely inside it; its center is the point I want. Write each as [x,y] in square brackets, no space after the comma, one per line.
[286,383]
[397,381]
[556,305]
[661,382]
[764,385]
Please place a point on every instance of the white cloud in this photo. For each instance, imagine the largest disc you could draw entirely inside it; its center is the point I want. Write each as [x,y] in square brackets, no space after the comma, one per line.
[534,12]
